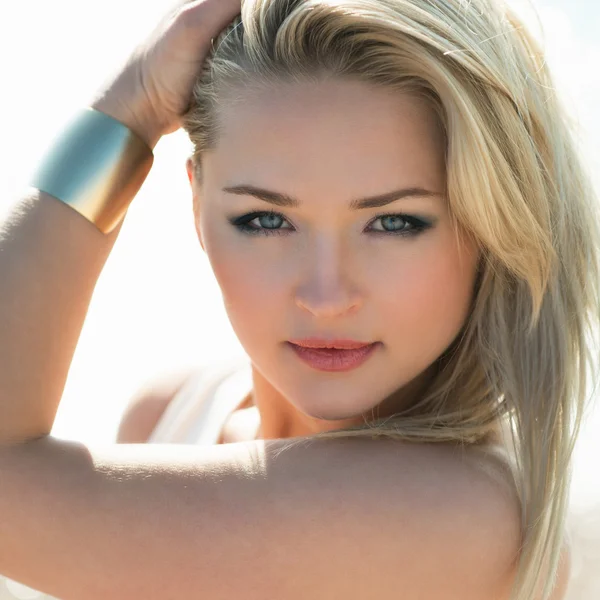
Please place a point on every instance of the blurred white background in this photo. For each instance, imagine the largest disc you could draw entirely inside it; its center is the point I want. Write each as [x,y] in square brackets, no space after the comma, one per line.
[157,307]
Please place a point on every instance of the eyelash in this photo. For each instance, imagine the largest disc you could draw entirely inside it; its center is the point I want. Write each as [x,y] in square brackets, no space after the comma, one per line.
[418,226]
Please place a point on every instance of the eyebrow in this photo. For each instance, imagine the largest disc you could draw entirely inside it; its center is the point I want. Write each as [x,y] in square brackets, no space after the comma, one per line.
[279,199]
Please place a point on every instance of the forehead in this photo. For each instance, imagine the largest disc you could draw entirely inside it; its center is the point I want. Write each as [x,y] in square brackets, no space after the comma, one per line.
[330,131]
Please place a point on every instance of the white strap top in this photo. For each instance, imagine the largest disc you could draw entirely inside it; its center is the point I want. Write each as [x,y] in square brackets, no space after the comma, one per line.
[197,413]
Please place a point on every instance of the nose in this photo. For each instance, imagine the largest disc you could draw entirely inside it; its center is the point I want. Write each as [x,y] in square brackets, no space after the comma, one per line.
[327,290]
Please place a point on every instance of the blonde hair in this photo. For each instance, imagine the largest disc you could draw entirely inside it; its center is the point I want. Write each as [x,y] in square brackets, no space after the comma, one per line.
[515,182]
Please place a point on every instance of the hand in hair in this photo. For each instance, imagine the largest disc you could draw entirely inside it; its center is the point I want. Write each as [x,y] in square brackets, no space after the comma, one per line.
[153,89]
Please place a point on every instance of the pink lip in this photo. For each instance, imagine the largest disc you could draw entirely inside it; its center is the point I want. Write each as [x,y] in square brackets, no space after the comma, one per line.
[332,359]
[331,343]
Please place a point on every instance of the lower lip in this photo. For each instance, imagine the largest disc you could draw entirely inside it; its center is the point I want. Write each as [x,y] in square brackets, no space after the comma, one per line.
[331,359]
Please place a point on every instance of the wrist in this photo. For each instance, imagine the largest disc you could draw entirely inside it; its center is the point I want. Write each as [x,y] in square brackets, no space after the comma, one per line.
[143,125]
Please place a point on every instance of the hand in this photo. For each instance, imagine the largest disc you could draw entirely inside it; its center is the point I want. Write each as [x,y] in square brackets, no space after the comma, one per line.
[152,91]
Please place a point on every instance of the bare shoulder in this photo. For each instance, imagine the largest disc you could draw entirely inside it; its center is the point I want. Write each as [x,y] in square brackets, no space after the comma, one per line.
[145,408]
[349,518]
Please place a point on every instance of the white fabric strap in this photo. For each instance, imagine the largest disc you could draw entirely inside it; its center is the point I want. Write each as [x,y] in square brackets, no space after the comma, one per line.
[198,411]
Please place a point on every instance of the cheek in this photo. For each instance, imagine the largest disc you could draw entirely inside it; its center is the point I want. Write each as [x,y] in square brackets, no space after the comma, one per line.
[427,295]
[250,283]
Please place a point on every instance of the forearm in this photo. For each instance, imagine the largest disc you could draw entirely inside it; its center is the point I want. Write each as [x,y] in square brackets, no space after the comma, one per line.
[50,260]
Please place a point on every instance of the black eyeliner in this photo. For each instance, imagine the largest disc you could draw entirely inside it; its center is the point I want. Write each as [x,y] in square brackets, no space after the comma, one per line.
[418,225]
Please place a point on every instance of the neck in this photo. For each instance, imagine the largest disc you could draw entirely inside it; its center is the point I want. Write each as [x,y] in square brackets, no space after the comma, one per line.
[278,418]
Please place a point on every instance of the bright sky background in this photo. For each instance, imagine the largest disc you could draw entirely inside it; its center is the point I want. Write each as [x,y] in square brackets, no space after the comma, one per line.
[157,306]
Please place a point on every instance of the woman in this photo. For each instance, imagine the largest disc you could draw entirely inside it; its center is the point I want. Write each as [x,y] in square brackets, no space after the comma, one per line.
[394,208]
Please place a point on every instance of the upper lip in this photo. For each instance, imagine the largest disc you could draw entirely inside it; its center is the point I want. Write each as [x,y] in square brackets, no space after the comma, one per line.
[315,342]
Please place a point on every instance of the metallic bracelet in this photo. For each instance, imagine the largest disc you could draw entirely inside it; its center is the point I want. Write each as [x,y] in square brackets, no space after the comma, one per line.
[96,166]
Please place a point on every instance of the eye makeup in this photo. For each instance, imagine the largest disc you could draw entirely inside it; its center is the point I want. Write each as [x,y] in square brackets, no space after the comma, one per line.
[269,223]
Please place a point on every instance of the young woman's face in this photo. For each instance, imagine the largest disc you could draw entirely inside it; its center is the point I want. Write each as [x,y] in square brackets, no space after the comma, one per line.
[393,274]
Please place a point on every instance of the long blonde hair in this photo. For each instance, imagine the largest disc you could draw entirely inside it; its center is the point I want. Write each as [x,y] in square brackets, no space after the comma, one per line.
[515,182]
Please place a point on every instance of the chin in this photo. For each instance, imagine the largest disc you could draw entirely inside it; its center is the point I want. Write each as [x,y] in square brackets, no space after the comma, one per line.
[326,411]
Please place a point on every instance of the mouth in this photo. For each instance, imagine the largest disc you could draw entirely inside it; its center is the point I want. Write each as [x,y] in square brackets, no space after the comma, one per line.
[322,344]
[331,358]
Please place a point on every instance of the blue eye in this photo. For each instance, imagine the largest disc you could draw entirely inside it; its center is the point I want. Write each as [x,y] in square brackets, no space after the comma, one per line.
[269,223]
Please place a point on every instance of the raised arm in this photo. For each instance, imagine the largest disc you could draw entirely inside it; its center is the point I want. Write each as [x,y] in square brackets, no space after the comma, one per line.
[51,256]
[50,259]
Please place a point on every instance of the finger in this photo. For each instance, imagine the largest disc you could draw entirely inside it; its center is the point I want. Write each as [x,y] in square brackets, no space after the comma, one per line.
[211,15]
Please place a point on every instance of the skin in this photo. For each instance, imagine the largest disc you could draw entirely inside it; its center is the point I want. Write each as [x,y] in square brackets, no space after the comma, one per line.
[333,271]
